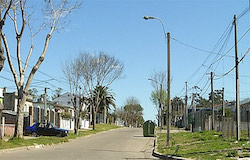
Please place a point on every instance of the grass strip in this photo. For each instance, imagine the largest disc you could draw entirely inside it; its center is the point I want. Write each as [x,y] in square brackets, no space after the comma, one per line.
[203,145]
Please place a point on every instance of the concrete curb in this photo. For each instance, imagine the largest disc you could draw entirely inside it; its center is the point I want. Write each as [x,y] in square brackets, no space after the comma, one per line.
[35,146]
[162,156]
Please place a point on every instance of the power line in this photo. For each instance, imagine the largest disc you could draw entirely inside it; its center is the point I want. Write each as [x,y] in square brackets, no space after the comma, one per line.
[231,47]
[222,47]
[243,13]
[235,65]
[196,48]
[40,71]
[206,89]
[225,34]
[214,48]
[7,79]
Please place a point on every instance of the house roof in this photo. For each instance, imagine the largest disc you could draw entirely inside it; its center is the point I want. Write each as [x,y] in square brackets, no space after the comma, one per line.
[65,100]
[245,101]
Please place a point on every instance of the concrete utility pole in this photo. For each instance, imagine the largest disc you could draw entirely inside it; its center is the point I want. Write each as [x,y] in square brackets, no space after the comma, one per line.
[186,109]
[237,82]
[169,99]
[45,104]
[212,99]
[223,103]
[168,75]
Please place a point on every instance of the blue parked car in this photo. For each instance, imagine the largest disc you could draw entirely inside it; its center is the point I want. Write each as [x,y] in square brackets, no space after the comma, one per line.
[45,129]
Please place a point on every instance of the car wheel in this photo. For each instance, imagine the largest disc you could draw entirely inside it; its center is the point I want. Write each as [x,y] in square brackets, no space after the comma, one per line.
[34,134]
[59,135]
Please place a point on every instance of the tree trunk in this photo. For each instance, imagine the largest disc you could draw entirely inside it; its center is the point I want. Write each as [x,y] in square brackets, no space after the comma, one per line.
[94,120]
[75,117]
[93,117]
[76,123]
[1,121]
[2,58]
[79,119]
[19,122]
[105,115]
[91,114]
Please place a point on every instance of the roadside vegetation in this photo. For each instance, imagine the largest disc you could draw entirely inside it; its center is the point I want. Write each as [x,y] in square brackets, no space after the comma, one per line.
[45,140]
[204,145]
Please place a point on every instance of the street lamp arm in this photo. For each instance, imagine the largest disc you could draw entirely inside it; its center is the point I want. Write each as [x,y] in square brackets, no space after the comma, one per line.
[163,27]
[150,79]
[162,24]
[153,80]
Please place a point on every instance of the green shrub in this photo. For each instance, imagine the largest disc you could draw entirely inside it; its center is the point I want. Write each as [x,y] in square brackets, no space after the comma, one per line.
[66,115]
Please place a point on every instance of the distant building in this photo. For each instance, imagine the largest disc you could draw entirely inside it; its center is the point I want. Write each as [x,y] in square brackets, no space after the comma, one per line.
[63,104]
[11,101]
[2,90]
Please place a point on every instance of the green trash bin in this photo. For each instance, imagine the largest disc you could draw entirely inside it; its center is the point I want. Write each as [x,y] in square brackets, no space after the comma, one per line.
[148,129]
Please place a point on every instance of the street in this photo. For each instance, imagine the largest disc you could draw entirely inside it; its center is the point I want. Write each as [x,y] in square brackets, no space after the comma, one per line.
[125,143]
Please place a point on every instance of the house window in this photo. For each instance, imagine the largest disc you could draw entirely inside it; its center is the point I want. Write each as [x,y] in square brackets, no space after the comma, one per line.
[68,102]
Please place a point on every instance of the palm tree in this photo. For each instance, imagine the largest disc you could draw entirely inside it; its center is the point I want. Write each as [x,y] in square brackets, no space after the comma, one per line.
[106,98]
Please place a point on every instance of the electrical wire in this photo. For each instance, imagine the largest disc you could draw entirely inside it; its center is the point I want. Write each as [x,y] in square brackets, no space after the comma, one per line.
[225,34]
[7,79]
[235,65]
[196,48]
[231,47]
[42,72]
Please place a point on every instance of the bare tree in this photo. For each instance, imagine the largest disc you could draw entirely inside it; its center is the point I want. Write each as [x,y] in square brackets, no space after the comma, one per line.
[72,72]
[158,77]
[4,9]
[158,97]
[20,15]
[98,70]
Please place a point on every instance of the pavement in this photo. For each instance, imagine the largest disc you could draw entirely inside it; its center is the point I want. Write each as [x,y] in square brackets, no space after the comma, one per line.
[124,144]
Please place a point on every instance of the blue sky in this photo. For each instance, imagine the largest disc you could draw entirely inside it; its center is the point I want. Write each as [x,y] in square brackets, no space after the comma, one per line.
[118,28]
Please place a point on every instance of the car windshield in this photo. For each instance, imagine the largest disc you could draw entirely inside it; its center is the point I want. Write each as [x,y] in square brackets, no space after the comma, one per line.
[53,125]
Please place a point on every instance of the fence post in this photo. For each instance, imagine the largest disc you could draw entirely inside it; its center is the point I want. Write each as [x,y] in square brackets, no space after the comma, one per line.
[248,123]
[232,129]
[3,121]
[223,126]
[228,127]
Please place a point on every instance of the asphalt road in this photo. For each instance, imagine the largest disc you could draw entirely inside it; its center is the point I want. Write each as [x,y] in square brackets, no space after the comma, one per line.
[125,143]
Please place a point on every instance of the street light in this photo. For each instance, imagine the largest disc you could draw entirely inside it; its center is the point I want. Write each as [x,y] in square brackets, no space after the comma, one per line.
[167,36]
[161,108]
[162,24]
[148,17]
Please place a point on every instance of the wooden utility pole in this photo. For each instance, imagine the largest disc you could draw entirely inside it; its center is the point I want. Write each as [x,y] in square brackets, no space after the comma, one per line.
[212,100]
[169,100]
[186,109]
[237,82]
